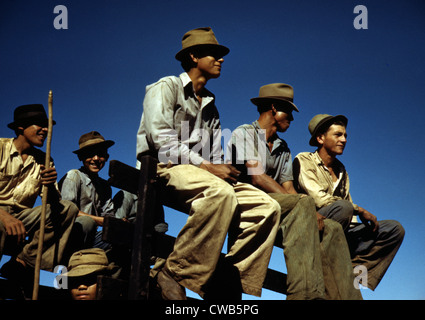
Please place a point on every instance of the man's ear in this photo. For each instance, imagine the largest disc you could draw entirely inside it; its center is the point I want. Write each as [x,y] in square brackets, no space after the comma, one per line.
[19,131]
[320,139]
[194,59]
[274,111]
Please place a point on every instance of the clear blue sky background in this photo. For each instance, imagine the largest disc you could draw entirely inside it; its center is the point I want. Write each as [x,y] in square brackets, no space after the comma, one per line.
[98,69]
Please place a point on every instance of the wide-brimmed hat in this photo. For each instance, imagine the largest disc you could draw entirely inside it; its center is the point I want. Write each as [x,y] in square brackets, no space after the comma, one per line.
[276,92]
[29,114]
[200,37]
[92,139]
[88,261]
[319,121]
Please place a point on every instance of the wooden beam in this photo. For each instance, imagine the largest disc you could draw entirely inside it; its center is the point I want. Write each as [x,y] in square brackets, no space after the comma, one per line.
[123,176]
[118,232]
[144,228]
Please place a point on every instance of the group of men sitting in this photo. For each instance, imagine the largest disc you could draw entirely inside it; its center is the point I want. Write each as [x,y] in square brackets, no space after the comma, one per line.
[249,194]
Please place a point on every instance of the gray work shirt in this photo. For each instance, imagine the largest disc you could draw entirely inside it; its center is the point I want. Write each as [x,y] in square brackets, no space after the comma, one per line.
[248,143]
[92,196]
[176,127]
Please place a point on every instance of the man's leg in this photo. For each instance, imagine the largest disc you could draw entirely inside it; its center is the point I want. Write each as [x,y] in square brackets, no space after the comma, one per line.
[340,211]
[211,204]
[257,223]
[301,247]
[59,222]
[375,250]
[337,268]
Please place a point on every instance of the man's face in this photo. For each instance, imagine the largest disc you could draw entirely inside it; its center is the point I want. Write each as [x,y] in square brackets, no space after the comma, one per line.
[35,134]
[334,140]
[84,292]
[283,119]
[94,159]
[210,64]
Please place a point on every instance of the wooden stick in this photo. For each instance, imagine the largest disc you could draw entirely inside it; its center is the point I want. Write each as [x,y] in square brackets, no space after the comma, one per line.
[44,202]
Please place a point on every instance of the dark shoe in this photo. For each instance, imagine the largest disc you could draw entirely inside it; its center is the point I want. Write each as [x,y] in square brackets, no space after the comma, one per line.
[20,276]
[170,289]
[225,276]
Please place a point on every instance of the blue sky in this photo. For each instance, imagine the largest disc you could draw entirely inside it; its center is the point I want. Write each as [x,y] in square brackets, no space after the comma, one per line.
[99,67]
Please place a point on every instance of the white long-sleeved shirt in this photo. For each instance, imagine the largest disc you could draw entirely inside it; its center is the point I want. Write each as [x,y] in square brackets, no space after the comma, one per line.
[176,127]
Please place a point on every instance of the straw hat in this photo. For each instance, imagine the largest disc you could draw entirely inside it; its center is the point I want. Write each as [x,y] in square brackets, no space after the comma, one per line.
[276,92]
[200,37]
[319,121]
[92,139]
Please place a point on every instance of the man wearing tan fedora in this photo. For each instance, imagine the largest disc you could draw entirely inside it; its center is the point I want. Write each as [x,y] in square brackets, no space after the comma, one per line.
[90,193]
[22,175]
[373,244]
[180,125]
[317,258]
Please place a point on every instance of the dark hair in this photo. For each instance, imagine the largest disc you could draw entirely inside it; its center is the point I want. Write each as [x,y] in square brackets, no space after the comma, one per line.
[187,62]
[264,107]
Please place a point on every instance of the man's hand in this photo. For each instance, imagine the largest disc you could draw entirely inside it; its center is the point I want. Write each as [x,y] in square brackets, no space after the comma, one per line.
[320,222]
[368,219]
[226,172]
[48,176]
[13,226]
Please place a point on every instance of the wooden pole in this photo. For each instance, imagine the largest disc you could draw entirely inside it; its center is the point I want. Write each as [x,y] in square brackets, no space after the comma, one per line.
[44,202]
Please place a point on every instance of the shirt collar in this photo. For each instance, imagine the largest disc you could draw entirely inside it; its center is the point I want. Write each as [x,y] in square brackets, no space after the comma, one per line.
[207,96]
[15,153]
[320,162]
[185,79]
[86,177]
[277,142]
[13,150]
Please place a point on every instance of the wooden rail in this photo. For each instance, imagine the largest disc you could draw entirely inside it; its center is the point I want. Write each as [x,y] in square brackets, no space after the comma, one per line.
[146,242]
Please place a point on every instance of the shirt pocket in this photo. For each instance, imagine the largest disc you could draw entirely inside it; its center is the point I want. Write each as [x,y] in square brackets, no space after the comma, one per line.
[26,193]
[5,181]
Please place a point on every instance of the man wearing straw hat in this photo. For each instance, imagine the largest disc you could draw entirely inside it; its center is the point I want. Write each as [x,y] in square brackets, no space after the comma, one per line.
[373,244]
[316,254]
[180,125]
[91,194]
[22,174]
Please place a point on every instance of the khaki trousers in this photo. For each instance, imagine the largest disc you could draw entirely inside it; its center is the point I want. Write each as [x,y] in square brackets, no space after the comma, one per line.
[59,222]
[215,206]
[318,266]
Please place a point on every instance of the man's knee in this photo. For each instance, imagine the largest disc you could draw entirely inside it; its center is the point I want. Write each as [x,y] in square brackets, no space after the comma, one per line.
[393,228]
[345,207]
[86,224]
[341,211]
[271,210]
[307,202]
